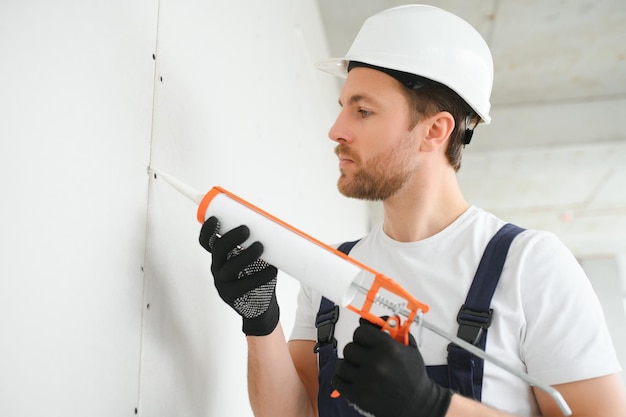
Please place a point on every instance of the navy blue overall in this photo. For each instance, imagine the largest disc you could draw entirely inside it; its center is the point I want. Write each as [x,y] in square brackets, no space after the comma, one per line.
[464,372]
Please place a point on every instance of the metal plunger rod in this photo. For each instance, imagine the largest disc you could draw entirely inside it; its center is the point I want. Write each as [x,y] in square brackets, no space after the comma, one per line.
[556,396]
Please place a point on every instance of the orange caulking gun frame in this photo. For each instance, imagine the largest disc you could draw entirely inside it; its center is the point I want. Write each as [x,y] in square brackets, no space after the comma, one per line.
[350,271]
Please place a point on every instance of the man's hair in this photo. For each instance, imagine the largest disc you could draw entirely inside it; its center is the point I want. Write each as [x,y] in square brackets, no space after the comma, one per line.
[433,97]
[427,98]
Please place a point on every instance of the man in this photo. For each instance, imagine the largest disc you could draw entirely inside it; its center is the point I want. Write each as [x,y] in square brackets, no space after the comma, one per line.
[418,80]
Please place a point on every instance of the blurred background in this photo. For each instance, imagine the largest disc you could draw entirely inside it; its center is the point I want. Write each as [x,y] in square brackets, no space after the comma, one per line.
[107,306]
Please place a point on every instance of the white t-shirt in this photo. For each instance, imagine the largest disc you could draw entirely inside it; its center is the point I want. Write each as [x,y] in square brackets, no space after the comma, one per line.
[547,321]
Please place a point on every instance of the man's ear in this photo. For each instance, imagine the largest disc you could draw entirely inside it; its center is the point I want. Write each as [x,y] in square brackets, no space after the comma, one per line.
[438,127]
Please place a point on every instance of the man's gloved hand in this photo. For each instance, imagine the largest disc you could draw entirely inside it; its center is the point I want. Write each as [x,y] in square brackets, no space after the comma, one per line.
[385,378]
[243,280]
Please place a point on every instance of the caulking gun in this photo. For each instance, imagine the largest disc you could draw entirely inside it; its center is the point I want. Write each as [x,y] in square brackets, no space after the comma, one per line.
[337,276]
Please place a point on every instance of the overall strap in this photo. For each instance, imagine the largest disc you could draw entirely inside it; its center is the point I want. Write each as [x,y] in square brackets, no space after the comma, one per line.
[326,348]
[465,371]
[328,314]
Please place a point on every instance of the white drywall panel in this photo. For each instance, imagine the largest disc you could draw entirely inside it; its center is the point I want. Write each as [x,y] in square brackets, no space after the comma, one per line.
[75,109]
[238,104]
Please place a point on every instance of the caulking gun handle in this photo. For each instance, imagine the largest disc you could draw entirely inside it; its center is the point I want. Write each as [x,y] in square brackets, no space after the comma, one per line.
[393,326]
[390,325]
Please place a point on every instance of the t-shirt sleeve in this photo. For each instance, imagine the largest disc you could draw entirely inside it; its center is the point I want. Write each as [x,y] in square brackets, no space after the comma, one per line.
[566,338]
[306,311]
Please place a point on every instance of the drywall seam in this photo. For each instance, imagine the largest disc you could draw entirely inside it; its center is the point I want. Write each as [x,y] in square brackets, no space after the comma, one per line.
[144,292]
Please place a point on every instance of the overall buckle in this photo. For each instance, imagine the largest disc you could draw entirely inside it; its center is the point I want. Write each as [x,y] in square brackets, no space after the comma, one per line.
[472,324]
[325,323]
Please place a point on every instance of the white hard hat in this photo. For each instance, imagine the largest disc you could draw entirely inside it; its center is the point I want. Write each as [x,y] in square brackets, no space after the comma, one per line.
[428,42]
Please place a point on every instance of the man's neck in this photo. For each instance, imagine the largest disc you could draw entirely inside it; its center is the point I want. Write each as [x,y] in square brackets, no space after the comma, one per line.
[420,211]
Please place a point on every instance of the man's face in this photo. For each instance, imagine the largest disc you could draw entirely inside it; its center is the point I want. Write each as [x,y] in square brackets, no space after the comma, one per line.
[377,153]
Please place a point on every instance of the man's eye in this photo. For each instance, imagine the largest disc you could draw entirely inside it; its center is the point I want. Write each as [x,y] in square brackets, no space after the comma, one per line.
[365,113]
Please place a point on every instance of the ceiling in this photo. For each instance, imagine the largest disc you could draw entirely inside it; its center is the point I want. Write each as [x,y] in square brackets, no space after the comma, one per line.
[553,156]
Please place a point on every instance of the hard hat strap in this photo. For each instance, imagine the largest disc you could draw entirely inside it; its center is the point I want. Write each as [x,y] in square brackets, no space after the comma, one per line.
[469,131]
[411,81]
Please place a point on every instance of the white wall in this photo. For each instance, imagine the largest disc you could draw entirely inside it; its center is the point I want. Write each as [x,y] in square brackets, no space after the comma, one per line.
[240,105]
[75,117]
[87,241]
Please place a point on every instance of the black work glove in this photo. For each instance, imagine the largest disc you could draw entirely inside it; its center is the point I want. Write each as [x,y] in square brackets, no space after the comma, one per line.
[243,280]
[383,377]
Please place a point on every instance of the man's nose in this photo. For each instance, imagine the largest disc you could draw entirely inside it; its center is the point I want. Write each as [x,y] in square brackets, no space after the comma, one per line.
[339,131]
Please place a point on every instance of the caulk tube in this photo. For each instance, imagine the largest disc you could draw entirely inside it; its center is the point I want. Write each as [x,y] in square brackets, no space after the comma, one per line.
[306,259]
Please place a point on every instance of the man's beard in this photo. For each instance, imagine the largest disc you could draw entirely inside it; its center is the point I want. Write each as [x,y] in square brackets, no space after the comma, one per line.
[375,181]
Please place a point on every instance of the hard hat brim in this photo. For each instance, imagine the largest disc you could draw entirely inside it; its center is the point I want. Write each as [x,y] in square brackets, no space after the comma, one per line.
[339,68]
[334,66]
